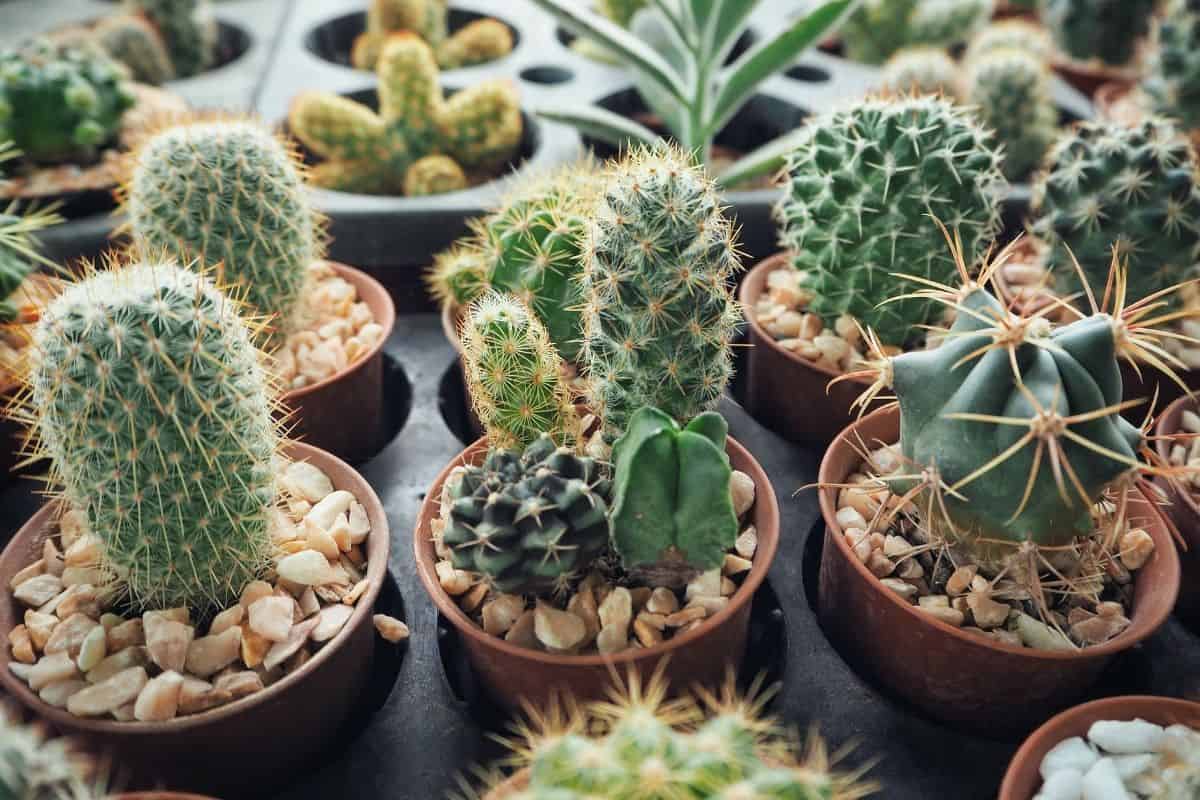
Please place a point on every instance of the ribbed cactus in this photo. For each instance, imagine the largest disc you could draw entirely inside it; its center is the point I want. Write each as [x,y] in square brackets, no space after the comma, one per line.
[34,767]
[1173,79]
[658,315]
[673,514]
[188,29]
[134,42]
[147,394]
[227,192]
[1010,91]
[60,105]
[480,127]
[921,70]
[458,275]
[19,255]
[1105,31]
[477,42]
[863,184]
[514,374]
[529,521]
[1131,186]
[436,174]
[879,28]
[1011,34]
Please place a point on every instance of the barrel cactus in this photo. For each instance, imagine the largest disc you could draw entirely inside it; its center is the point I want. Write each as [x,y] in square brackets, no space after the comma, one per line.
[188,30]
[529,520]
[136,43]
[147,394]
[59,105]
[856,216]
[1106,32]
[476,42]
[921,70]
[879,28]
[227,194]
[1011,34]
[1010,92]
[34,767]
[1134,187]
[658,316]
[480,127]
[1173,79]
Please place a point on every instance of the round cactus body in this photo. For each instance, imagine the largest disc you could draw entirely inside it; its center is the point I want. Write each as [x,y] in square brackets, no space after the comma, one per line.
[426,18]
[921,70]
[1011,34]
[864,188]
[529,521]
[188,29]
[1010,91]
[134,42]
[436,174]
[477,42]
[148,395]
[1173,80]
[879,28]
[1105,31]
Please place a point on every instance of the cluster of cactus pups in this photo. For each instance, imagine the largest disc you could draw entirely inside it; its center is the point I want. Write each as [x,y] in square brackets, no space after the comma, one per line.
[477,42]
[880,28]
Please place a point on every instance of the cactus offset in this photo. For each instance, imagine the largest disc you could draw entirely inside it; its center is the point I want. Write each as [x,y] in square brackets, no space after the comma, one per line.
[227,192]
[1108,32]
[1010,91]
[458,275]
[921,70]
[134,42]
[436,174]
[1173,80]
[514,374]
[1011,34]
[34,767]
[60,105]
[146,392]
[1133,187]
[479,127]
[658,316]
[856,216]
[188,29]
[879,28]
[529,521]
[477,42]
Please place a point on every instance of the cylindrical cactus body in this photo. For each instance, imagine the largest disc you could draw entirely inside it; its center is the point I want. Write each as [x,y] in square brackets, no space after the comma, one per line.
[188,29]
[1011,34]
[477,42]
[1173,79]
[134,42]
[1105,31]
[879,28]
[1010,90]
[921,70]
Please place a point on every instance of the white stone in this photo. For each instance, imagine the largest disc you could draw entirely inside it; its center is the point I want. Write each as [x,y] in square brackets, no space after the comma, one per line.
[52,669]
[612,639]
[308,602]
[239,684]
[1131,766]
[39,590]
[93,650]
[69,634]
[319,539]
[129,657]
[326,511]
[330,621]
[227,619]
[1121,737]
[307,481]
[501,613]
[1073,753]
[617,609]
[558,631]
[210,654]
[393,630]
[271,617]
[1066,784]
[360,523]
[1102,782]
[741,487]
[282,651]
[103,697]
[57,694]
[307,567]
[159,699]
[706,584]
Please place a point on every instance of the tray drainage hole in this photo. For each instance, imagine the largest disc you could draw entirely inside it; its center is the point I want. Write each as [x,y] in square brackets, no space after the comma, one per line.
[547,75]
[807,73]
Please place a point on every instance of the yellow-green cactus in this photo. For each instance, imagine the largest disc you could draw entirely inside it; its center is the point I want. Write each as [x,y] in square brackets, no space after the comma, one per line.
[477,42]
[436,174]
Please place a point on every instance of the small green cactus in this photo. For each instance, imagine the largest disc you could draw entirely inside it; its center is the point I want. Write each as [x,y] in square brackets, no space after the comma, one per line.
[1011,34]
[228,194]
[1108,32]
[879,28]
[921,70]
[529,521]
[1130,186]
[477,42]
[59,105]
[673,514]
[479,127]
[147,394]
[514,374]
[134,42]
[458,275]
[856,217]
[658,316]
[34,767]
[436,174]
[1010,91]
[1173,79]
[188,30]
[19,256]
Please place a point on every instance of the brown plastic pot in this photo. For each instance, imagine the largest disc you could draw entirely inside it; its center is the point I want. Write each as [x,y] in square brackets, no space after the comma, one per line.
[700,656]
[951,674]
[1023,778]
[790,395]
[282,727]
[343,414]
[1185,513]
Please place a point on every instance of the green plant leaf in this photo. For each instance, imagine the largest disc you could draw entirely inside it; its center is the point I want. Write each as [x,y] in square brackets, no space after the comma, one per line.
[650,26]
[727,28]
[602,124]
[764,160]
[704,519]
[674,19]
[710,425]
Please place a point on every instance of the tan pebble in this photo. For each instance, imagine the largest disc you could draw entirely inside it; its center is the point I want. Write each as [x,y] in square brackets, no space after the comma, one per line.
[1110,609]
[308,603]
[350,567]
[522,632]
[129,657]
[52,669]
[40,626]
[662,601]
[905,590]
[93,650]
[159,699]
[240,684]
[318,538]
[196,696]
[735,565]
[22,645]
[126,634]
[1007,637]
[741,488]
[280,527]
[282,651]
[728,587]
[860,543]
[617,609]
[986,612]
[859,500]
[103,697]
[877,540]
[81,599]
[210,654]
[558,631]
[110,621]
[454,581]
[476,593]
[685,615]
[294,546]
[647,634]
[848,517]
[960,581]
[229,618]
[254,591]
[329,594]
[896,546]
[254,647]
[934,601]
[307,567]
[360,523]
[711,605]
[810,327]
[340,534]
[52,559]
[306,481]
[833,348]
[72,525]
[57,694]
[846,327]
[948,615]
[330,621]
[910,570]
[79,576]
[706,584]
[639,595]
[1136,548]
[22,671]
[329,507]
[38,590]
[180,614]
[167,641]
[612,640]
[124,713]
[787,324]
[84,552]
[880,565]
[272,617]
[69,634]
[980,584]
[30,571]
[583,605]
[355,556]
[297,507]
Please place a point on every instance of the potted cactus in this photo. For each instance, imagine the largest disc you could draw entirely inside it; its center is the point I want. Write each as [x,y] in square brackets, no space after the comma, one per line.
[557,550]
[156,40]
[478,42]
[200,588]
[894,162]
[998,520]
[1177,430]
[879,29]
[1098,41]
[228,194]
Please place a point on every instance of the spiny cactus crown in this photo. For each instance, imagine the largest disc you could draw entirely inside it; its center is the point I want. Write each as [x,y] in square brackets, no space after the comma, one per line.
[1010,91]
[33,767]
[1173,79]
[458,275]
[19,254]
[879,28]
[229,195]
[1011,34]
[188,29]
[146,392]
[529,521]
[1131,186]
[134,42]
[921,70]
[658,316]
[514,374]
[1104,31]
[863,185]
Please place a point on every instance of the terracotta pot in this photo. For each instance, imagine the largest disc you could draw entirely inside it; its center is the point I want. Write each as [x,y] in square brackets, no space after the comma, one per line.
[284,726]
[1089,77]
[950,674]
[789,394]
[1022,780]
[511,673]
[1185,513]
[343,414]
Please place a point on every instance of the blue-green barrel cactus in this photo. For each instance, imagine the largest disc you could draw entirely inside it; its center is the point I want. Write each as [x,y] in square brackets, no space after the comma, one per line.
[1173,79]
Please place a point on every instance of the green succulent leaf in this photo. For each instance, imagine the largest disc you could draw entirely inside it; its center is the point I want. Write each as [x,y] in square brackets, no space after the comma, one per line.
[599,123]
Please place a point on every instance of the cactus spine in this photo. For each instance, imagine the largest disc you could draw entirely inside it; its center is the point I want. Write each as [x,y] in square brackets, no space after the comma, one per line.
[135,43]
[1011,34]
[458,275]
[188,30]
[147,393]
[1105,31]
[879,28]
[658,316]
[862,186]
[227,192]
[33,767]
[1010,90]
[921,70]
[1173,80]
[19,255]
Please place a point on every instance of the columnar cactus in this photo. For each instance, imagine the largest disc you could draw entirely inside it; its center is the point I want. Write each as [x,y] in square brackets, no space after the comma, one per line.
[33,767]
[514,374]
[1010,91]
[921,70]
[1011,34]
[863,184]
[227,194]
[1173,80]
[58,106]
[658,315]
[1105,31]
[879,28]
[458,275]
[147,393]
[136,43]
[476,42]
[1130,186]
[529,521]
[479,127]
[188,29]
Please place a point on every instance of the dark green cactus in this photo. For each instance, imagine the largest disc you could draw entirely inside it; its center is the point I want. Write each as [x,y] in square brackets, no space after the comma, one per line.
[1131,186]
[863,184]
[1010,92]
[458,275]
[134,42]
[673,511]
[880,28]
[1173,79]
[60,105]
[188,29]
[529,521]
[1105,31]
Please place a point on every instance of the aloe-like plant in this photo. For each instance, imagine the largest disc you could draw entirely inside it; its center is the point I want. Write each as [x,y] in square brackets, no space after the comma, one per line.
[677,54]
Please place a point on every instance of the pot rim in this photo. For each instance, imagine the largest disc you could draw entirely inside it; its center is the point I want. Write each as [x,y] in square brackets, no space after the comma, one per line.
[1170,414]
[1164,548]
[451,316]
[361,281]
[765,517]
[363,609]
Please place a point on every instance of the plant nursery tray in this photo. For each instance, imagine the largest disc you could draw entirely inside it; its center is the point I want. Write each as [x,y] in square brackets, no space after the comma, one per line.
[421,723]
